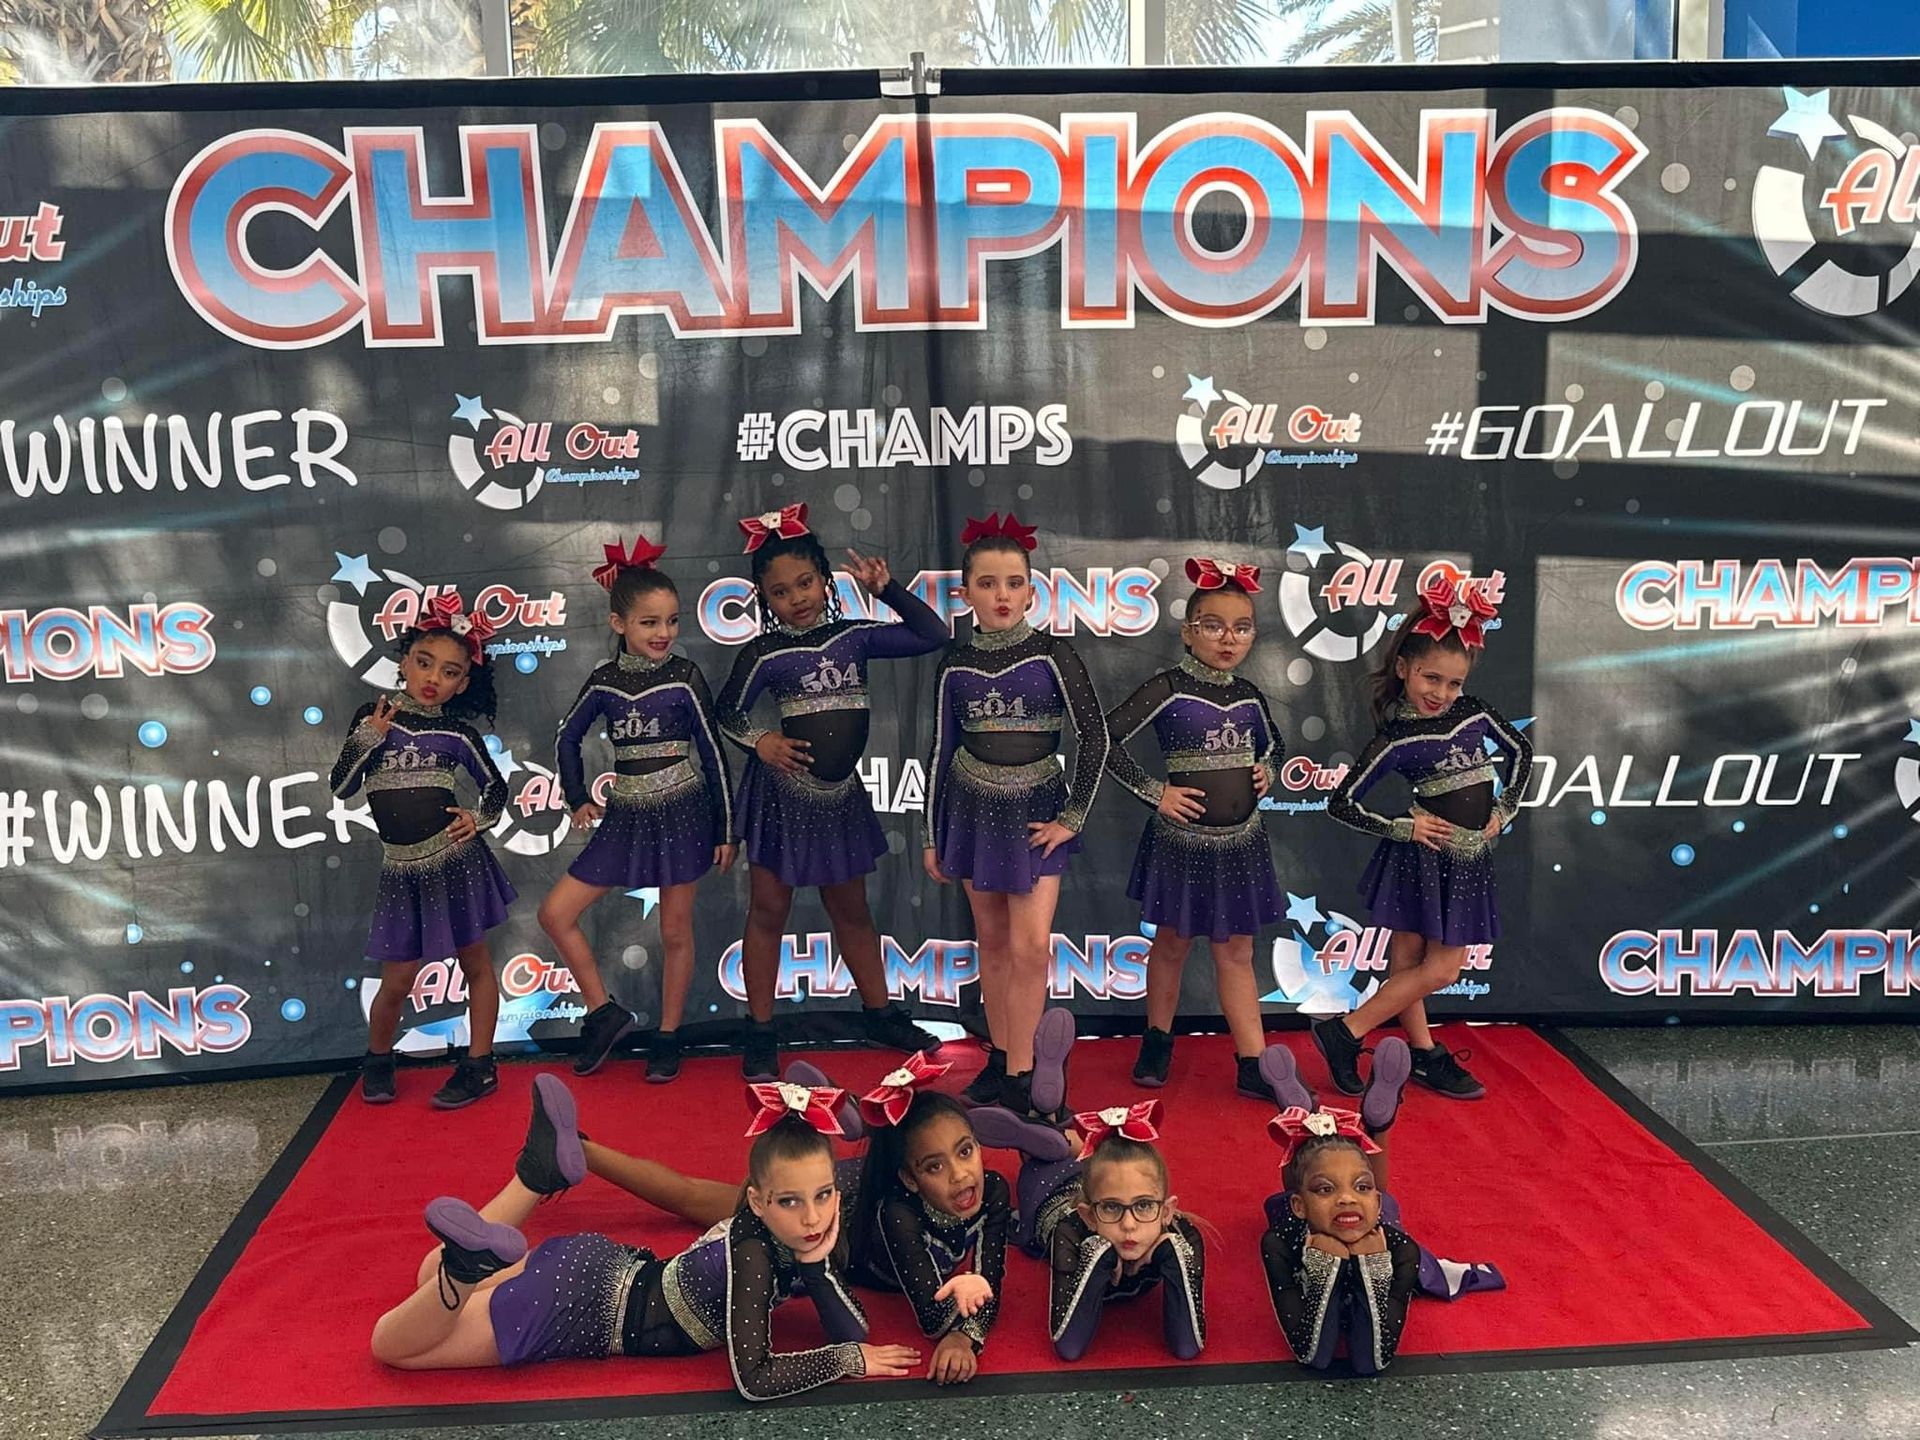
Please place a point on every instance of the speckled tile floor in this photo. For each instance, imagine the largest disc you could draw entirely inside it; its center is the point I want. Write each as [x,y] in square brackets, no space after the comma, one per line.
[111,1201]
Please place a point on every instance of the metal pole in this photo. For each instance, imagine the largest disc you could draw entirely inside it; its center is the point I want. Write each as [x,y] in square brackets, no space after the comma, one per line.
[1403,30]
[496,38]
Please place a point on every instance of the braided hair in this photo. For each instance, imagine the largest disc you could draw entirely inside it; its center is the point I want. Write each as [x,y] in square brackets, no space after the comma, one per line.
[808,548]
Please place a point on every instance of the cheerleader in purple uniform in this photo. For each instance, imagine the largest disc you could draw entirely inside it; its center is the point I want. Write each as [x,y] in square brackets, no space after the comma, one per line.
[802,808]
[1204,866]
[482,1299]
[1000,818]
[441,890]
[1431,877]
[665,822]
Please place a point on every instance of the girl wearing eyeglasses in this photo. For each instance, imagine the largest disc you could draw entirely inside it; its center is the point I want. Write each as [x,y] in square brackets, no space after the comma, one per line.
[1204,866]
[1105,1221]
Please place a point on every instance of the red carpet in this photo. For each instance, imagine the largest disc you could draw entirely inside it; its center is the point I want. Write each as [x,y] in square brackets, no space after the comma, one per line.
[1608,1236]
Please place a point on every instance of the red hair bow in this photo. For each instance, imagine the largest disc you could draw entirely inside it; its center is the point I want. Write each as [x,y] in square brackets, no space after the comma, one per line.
[994,527]
[643,554]
[1212,575]
[789,523]
[813,1104]
[1293,1127]
[1131,1122]
[446,611]
[887,1103]
[1455,606]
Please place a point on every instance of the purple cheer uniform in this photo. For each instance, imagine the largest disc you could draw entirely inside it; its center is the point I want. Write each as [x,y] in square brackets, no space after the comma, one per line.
[436,894]
[664,815]
[1002,699]
[585,1297]
[1212,876]
[1451,761]
[817,827]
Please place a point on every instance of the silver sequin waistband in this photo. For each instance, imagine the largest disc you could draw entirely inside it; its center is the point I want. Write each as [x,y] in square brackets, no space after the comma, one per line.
[1186,762]
[820,790]
[424,777]
[1458,780]
[637,1261]
[821,704]
[1463,842]
[421,850]
[656,784]
[1029,776]
[1192,834]
[654,750]
[685,1313]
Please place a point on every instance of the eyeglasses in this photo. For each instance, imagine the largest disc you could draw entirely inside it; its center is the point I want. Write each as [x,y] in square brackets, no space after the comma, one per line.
[1111,1212]
[1214,629]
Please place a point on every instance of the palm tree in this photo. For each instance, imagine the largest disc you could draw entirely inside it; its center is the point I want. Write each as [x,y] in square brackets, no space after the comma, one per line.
[108,41]
[1363,32]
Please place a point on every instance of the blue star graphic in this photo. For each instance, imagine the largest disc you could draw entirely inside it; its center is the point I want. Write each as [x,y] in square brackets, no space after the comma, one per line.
[1523,722]
[355,571]
[648,896]
[470,409]
[1303,911]
[1311,543]
[1808,120]
[505,763]
[1201,391]
[1913,732]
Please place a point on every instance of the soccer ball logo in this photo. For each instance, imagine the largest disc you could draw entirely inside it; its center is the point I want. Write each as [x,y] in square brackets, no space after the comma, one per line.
[1844,277]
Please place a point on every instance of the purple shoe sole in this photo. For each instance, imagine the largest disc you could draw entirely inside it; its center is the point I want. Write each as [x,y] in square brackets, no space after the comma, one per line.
[999,1128]
[799,1072]
[557,1101]
[1386,1082]
[1052,1043]
[1282,1077]
[457,1223]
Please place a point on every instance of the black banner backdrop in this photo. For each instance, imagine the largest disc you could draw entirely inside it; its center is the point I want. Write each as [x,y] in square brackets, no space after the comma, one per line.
[1637,358]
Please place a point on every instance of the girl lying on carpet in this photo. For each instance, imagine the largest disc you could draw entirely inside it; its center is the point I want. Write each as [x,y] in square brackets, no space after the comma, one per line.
[1102,1219]
[921,1205]
[483,1300]
[1338,1264]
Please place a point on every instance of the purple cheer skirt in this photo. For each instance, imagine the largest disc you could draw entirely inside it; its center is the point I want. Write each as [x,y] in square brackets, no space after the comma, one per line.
[1442,895]
[658,831]
[807,833]
[981,831]
[1212,880]
[569,1301]
[436,898]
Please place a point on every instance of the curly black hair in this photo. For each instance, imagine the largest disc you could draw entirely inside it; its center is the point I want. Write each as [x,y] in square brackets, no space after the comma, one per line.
[478,701]
[807,547]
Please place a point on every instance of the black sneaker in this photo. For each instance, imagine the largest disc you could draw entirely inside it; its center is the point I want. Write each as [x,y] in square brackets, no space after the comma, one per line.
[1441,1072]
[663,1057]
[551,1160]
[1156,1054]
[984,1088]
[760,1055]
[1248,1081]
[473,1078]
[376,1078]
[599,1033]
[471,1247]
[891,1026]
[1336,1042]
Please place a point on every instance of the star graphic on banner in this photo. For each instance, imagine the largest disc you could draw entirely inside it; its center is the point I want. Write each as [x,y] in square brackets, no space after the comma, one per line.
[1311,543]
[648,896]
[1303,910]
[1913,732]
[1808,119]
[1201,392]
[1486,741]
[470,409]
[504,762]
[355,571]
